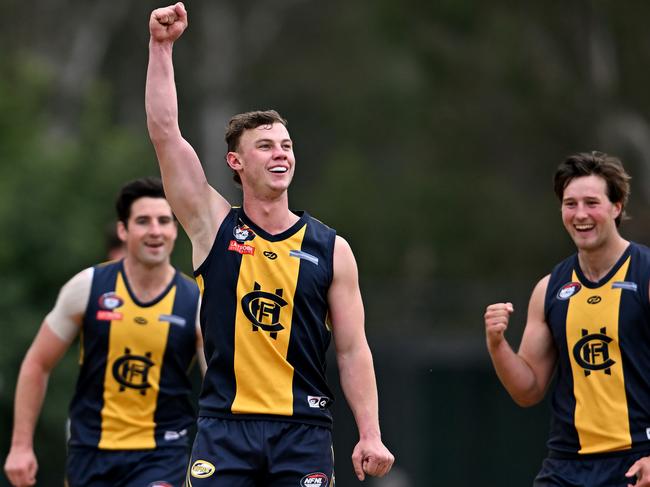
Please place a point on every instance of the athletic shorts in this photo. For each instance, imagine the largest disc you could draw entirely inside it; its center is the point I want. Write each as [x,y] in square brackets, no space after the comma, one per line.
[91,467]
[595,471]
[260,453]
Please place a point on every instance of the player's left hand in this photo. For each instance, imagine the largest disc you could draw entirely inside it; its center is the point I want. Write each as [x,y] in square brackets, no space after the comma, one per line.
[371,457]
[640,469]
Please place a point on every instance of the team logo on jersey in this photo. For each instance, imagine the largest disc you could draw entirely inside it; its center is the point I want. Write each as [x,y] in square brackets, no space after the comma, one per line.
[316,479]
[202,469]
[270,255]
[243,232]
[241,248]
[263,309]
[591,352]
[594,299]
[318,402]
[568,290]
[132,371]
[110,301]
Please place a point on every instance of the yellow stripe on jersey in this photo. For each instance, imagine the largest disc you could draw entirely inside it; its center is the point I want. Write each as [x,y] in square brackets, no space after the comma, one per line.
[265,294]
[131,382]
[201,283]
[601,416]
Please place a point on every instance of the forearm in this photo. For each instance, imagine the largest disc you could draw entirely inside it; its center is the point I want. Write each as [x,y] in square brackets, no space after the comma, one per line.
[30,394]
[515,374]
[360,388]
[160,95]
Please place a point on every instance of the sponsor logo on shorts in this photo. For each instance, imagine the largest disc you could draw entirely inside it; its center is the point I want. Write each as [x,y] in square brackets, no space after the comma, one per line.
[160,483]
[201,469]
[316,479]
[104,315]
[110,301]
[318,402]
[243,249]
[568,290]
[174,435]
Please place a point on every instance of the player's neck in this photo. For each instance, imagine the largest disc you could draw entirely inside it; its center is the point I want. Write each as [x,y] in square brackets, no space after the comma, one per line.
[596,263]
[272,216]
[147,282]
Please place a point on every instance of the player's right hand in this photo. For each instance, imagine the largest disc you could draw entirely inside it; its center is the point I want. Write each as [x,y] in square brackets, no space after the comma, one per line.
[168,23]
[496,322]
[21,467]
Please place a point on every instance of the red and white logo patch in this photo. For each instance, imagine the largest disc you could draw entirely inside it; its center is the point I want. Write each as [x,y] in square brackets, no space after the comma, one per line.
[568,290]
[104,315]
[316,479]
[241,248]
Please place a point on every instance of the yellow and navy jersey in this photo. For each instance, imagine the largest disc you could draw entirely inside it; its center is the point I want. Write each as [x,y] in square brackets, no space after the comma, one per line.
[263,316]
[133,391]
[601,396]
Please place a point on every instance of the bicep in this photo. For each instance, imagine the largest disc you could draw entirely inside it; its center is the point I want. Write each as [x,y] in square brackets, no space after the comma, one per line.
[537,347]
[344,299]
[65,318]
[46,349]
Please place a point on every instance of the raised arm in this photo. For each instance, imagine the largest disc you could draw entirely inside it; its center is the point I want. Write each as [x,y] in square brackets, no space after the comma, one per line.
[527,373]
[198,207]
[354,359]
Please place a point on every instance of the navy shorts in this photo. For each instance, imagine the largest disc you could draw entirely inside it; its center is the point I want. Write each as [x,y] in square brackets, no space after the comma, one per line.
[91,467]
[260,453]
[594,471]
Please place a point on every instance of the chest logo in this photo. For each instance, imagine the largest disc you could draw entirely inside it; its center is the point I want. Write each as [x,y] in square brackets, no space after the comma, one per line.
[242,233]
[270,255]
[591,352]
[568,290]
[263,309]
[110,301]
[132,371]
[594,299]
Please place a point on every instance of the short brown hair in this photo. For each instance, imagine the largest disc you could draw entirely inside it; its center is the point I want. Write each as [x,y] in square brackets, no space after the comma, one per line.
[608,167]
[246,121]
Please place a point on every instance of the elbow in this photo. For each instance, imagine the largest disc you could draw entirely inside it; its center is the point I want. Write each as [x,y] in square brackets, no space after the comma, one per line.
[527,400]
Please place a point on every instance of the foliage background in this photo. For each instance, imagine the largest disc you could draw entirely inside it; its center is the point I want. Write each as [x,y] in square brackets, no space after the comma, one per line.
[426,133]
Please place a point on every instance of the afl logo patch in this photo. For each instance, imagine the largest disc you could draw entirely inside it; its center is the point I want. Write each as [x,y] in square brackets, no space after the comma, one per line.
[110,301]
[242,233]
[316,479]
[201,469]
[568,290]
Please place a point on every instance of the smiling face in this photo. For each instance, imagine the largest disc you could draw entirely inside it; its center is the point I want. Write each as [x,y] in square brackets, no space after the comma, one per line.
[264,159]
[588,214]
[150,232]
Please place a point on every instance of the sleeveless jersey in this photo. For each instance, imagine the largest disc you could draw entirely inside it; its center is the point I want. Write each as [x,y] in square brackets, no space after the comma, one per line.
[133,390]
[263,317]
[601,396]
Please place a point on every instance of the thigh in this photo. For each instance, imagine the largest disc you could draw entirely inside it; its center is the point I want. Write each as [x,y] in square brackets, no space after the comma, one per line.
[300,455]
[226,453]
[89,467]
[603,471]
[163,467]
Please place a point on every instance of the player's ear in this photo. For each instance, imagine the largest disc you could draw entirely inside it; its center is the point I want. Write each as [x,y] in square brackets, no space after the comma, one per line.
[233,160]
[122,231]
